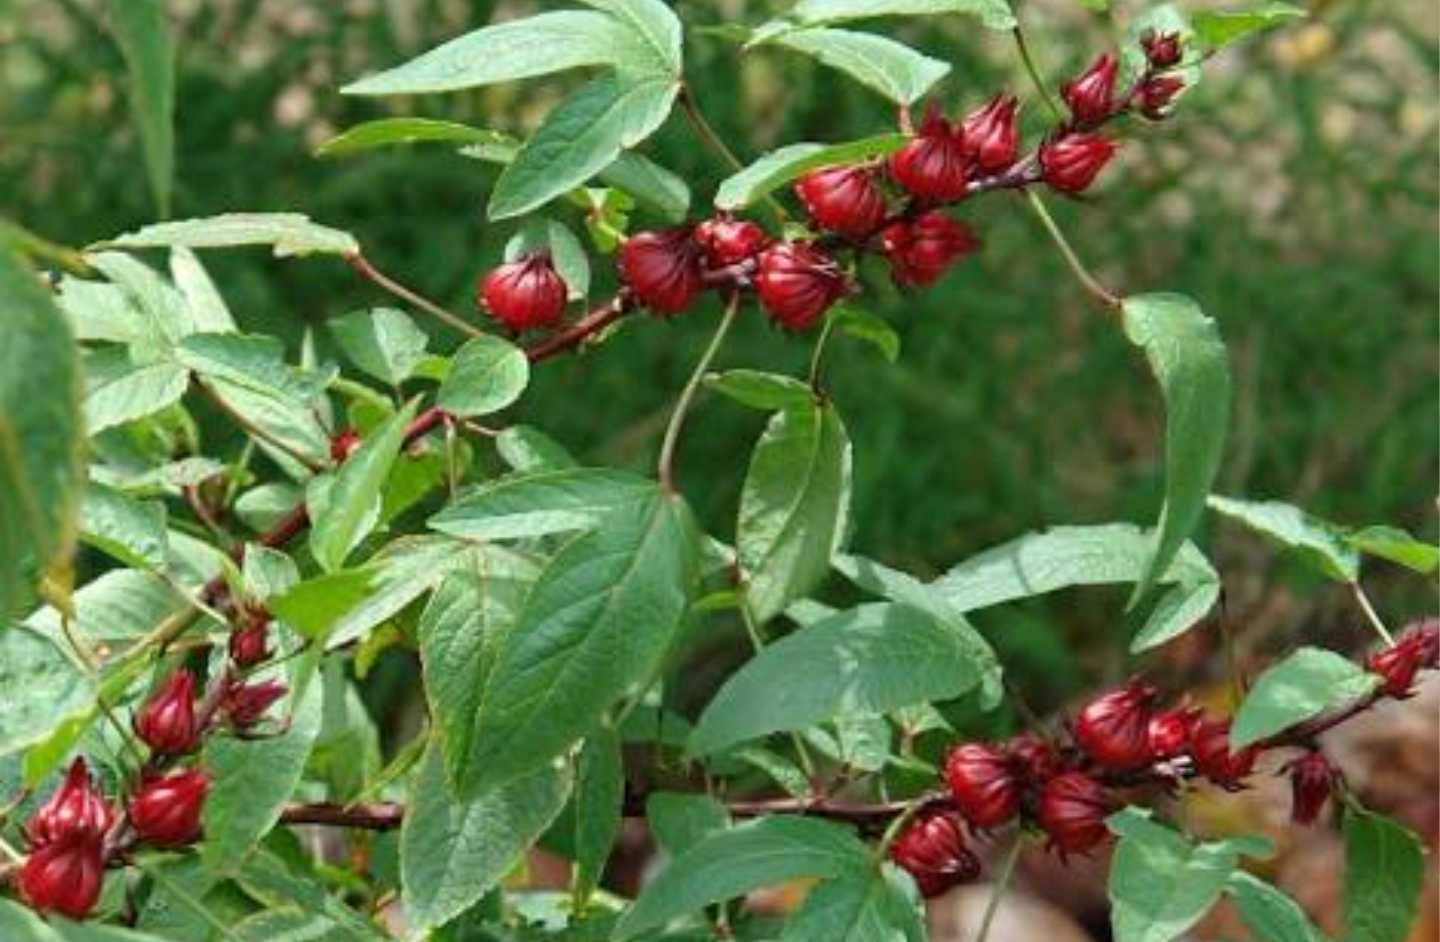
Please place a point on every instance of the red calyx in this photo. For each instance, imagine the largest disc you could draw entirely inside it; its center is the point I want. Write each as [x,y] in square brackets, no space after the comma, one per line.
[1073,809]
[932,849]
[250,643]
[1071,162]
[728,240]
[64,878]
[343,445]
[76,813]
[167,722]
[933,165]
[920,251]
[245,704]
[166,810]
[1399,664]
[843,199]
[797,282]
[1091,94]
[983,784]
[1114,728]
[1157,93]
[1312,781]
[992,135]
[662,268]
[1169,732]
[1162,49]
[525,293]
[1037,759]
[1210,750]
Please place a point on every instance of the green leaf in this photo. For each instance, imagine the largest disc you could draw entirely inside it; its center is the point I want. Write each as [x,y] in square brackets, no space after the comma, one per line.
[114,609]
[382,341]
[131,531]
[680,820]
[267,572]
[207,309]
[143,34]
[526,448]
[581,137]
[871,659]
[538,504]
[769,391]
[340,525]
[1321,544]
[995,14]
[96,932]
[600,618]
[878,904]
[1308,682]
[287,420]
[385,132]
[1216,29]
[1160,884]
[777,168]
[271,880]
[890,68]
[41,687]
[730,863]
[867,326]
[794,507]
[251,779]
[1398,546]
[452,852]
[487,375]
[1189,361]
[655,24]
[649,183]
[288,233]
[255,361]
[568,255]
[40,434]
[20,924]
[1384,874]
[599,795]
[1270,914]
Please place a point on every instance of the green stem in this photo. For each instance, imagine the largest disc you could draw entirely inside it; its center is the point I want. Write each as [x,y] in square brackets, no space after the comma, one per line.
[665,468]
[1007,870]
[362,265]
[817,358]
[707,135]
[1034,74]
[1372,615]
[1101,293]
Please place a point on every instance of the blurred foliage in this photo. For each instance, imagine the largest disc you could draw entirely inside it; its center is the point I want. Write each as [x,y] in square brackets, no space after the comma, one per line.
[1294,197]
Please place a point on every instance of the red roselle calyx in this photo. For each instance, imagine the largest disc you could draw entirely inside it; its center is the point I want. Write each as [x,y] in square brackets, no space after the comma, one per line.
[343,445]
[76,813]
[920,251]
[1114,728]
[1162,49]
[166,809]
[167,722]
[797,282]
[933,164]
[1091,94]
[1035,758]
[983,784]
[843,199]
[1312,781]
[932,849]
[992,135]
[64,878]
[525,293]
[728,240]
[250,642]
[245,704]
[1399,664]
[1073,809]
[662,269]
[1156,94]
[1169,732]
[1210,750]
[1072,161]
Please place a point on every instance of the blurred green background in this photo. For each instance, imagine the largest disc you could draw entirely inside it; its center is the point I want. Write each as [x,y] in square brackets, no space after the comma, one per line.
[1294,197]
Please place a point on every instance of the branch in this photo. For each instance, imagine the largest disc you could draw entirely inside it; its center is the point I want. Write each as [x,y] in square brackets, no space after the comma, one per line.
[592,323]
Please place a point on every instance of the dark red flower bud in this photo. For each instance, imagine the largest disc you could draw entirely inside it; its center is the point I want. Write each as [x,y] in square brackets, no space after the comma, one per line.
[662,269]
[1071,162]
[921,251]
[1162,49]
[1398,664]
[1428,631]
[1036,758]
[1091,94]
[64,878]
[843,199]
[343,445]
[76,813]
[244,704]
[166,809]
[1156,94]
[1114,728]
[797,282]
[1073,809]
[525,293]
[1210,750]
[992,135]
[1312,781]
[1169,732]
[933,164]
[932,849]
[728,240]
[250,643]
[982,783]
[167,722]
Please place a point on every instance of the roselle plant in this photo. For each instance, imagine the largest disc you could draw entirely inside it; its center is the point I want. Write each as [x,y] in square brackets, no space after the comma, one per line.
[175,718]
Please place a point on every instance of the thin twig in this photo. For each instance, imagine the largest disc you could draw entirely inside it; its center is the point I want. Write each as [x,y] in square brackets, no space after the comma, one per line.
[1007,870]
[707,135]
[1034,73]
[1371,614]
[592,323]
[1102,294]
[665,468]
[363,265]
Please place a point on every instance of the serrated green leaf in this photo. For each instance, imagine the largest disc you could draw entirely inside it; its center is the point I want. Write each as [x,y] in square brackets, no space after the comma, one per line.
[1308,682]
[255,361]
[599,796]
[525,449]
[335,530]
[680,820]
[487,375]
[1270,914]
[114,609]
[382,341]
[777,168]
[890,68]
[995,14]
[267,572]
[131,531]
[542,503]
[385,132]
[143,34]
[1398,546]
[1217,29]
[42,686]
[265,876]
[288,233]
[649,183]
[874,905]
[1384,874]
[207,308]
[121,386]
[655,24]
[1320,543]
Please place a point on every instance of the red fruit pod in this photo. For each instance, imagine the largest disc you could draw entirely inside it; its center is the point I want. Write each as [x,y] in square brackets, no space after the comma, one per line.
[1162,49]
[167,722]
[250,643]
[1114,728]
[343,445]
[1157,93]
[1071,162]
[165,811]
[1210,751]
[934,164]
[728,240]
[1073,809]
[662,268]
[983,784]
[919,252]
[992,133]
[1428,631]
[1399,664]
[76,813]
[843,199]
[932,850]
[1035,758]
[796,282]
[525,293]
[1312,781]
[1169,732]
[64,878]
[1091,94]
[244,704]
